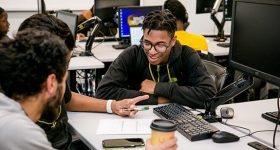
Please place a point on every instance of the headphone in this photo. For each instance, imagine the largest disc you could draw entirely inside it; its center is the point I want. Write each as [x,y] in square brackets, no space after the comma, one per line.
[186,21]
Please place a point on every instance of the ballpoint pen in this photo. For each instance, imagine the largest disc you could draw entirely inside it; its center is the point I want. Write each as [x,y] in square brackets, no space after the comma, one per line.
[136,108]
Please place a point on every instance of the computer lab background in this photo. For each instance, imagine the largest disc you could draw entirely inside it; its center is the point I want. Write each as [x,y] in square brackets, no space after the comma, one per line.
[201,23]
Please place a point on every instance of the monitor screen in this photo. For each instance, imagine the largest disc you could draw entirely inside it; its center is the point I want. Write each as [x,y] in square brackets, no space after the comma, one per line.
[227,9]
[205,6]
[136,35]
[106,10]
[132,16]
[70,19]
[255,46]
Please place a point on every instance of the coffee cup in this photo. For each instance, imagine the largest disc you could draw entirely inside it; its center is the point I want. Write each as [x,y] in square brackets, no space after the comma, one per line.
[162,130]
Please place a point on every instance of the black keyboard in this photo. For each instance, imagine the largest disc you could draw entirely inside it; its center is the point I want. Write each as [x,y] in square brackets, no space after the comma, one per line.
[191,126]
[271,116]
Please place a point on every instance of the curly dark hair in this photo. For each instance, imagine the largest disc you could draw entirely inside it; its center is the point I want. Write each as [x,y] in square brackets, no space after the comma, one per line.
[177,9]
[2,10]
[160,20]
[52,24]
[29,59]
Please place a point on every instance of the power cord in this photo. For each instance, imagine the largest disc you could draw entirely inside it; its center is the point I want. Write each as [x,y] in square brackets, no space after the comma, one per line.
[278,118]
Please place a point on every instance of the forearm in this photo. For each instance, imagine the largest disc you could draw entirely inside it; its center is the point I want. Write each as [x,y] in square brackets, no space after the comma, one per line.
[80,102]
[192,96]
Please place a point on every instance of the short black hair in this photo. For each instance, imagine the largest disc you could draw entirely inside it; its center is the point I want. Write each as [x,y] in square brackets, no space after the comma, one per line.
[160,20]
[52,24]
[177,9]
[2,10]
[28,59]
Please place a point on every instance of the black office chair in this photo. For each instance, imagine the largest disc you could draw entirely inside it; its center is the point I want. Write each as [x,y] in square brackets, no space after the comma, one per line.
[217,72]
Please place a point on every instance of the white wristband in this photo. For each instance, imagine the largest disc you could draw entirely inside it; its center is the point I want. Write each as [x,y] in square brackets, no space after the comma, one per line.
[109,106]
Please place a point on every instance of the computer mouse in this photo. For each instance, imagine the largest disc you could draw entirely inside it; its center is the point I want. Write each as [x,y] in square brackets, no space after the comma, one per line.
[227,112]
[224,137]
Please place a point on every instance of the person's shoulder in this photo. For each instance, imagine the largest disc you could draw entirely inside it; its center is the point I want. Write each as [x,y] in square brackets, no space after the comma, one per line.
[19,123]
[18,131]
[196,36]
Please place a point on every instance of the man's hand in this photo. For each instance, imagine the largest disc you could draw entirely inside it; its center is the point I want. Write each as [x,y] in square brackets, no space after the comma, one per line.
[168,145]
[148,86]
[117,106]
[163,100]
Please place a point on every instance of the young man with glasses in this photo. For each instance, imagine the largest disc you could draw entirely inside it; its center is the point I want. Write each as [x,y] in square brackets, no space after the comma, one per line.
[160,66]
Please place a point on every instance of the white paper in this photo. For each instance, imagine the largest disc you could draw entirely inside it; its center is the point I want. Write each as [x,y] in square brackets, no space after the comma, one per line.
[124,126]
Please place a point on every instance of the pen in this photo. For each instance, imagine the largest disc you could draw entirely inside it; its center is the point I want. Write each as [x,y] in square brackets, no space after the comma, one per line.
[136,108]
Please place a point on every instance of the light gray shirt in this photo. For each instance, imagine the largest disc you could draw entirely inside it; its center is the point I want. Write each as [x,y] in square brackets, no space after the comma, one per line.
[17,131]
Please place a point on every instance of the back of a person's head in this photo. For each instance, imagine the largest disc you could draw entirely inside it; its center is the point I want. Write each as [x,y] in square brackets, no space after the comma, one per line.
[177,9]
[28,59]
[52,24]
[162,20]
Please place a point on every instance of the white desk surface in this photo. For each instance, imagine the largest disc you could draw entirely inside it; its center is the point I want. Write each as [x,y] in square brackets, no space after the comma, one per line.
[217,50]
[248,115]
[105,52]
[84,62]
[86,124]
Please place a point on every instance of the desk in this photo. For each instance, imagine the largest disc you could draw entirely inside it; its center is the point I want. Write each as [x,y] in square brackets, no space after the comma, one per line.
[85,62]
[86,124]
[248,115]
[217,50]
[105,52]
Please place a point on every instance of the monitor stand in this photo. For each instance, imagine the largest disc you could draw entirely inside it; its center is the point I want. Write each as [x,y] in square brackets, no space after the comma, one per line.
[225,95]
[123,44]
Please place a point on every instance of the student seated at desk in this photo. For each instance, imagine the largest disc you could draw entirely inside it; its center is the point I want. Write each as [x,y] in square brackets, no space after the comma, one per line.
[195,41]
[54,121]
[160,67]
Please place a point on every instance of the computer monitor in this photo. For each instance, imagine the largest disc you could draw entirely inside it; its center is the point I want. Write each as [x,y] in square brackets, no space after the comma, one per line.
[132,16]
[70,19]
[41,6]
[227,9]
[106,10]
[255,46]
[205,6]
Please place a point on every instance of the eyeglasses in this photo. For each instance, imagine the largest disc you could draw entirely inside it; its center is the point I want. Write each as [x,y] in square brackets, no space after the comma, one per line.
[159,47]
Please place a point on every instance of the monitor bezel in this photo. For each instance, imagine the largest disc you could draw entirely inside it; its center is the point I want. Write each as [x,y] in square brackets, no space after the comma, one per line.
[71,15]
[110,10]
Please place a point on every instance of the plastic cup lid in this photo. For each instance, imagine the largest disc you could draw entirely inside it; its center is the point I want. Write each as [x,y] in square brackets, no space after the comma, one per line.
[163,125]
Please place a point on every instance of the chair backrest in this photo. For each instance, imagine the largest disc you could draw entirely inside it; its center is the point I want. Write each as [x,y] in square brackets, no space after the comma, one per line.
[217,72]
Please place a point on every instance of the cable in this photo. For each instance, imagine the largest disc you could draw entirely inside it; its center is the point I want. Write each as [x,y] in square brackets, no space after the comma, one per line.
[263,131]
[278,118]
[231,125]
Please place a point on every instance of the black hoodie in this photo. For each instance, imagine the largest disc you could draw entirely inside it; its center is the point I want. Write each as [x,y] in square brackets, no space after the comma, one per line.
[192,84]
